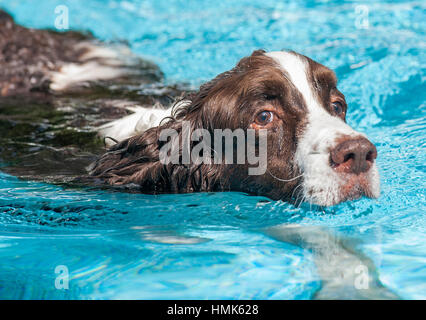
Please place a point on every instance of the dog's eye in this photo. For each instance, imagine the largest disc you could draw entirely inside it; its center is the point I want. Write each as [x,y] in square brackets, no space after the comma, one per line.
[264,117]
[337,107]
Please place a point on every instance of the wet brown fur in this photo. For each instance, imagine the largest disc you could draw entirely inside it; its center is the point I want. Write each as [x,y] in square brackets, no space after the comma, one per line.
[231,100]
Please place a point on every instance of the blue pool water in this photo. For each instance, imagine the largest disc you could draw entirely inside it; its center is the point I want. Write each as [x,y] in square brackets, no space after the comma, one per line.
[118,245]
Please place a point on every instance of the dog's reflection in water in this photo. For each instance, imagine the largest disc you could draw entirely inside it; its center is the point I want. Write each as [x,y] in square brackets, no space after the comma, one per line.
[344,272]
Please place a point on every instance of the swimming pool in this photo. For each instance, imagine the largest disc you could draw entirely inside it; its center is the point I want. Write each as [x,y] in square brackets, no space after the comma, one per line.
[210,246]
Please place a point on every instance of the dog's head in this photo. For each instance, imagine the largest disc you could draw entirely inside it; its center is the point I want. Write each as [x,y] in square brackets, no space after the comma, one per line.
[312,154]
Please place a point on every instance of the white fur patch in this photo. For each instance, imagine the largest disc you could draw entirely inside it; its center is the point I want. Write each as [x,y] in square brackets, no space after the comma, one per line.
[138,122]
[321,183]
[98,63]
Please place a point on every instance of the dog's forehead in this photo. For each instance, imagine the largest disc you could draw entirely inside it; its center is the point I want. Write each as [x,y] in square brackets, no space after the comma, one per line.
[308,76]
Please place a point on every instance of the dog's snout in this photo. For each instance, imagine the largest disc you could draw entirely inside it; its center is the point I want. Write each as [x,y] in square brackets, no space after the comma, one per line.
[353,156]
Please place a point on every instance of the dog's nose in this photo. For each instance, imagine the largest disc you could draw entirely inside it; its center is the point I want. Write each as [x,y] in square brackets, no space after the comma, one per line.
[353,155]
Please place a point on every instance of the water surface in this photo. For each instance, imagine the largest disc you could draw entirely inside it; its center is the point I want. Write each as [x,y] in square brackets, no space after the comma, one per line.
[211,245]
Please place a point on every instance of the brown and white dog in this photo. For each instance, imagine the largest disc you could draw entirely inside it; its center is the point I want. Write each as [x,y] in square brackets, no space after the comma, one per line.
[313,155]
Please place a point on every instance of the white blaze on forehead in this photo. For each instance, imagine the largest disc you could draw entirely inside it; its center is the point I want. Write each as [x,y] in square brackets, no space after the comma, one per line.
[296,67]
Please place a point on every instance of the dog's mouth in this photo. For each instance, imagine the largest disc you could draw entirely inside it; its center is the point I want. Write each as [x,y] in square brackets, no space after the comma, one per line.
[334,188]
[356,187]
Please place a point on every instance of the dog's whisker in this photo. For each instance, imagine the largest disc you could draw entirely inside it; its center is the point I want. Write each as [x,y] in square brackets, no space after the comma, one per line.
[301,201]
[297,198]
[284,180]
[298,186]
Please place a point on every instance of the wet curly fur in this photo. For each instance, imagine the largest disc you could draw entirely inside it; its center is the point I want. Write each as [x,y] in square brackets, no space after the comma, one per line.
[226,102]
[136,161]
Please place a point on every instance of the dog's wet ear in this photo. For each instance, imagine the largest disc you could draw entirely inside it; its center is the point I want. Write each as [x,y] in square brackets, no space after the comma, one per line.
[246,61]
[258,52]
[5,17]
